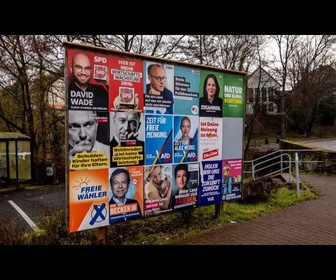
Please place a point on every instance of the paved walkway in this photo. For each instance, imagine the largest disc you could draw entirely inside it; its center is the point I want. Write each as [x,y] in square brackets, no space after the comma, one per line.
[307,223]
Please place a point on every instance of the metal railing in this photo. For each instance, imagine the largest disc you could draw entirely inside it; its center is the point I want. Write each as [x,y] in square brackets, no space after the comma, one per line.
[277,162]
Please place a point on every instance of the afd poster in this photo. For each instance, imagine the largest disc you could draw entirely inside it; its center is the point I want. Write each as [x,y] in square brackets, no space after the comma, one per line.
[88,199]
[210,138]
[126,84]
[88,140]
[158,88]
[232,179]
[126,193]
[186,91]
[87,80]
[185,185]
[211,94]
[157,189]
[234,95]
[185,139]
[158,139]
[210,182]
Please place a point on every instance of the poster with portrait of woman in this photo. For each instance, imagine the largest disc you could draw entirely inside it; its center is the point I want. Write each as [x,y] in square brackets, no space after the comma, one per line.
[211,94]
[185,185]
[185,138]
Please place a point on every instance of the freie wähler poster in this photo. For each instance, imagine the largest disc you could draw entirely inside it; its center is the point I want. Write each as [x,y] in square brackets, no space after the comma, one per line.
[210,143]
[185,138]
[158,139]
[128,210]
[210,182]
[88,199]
[93,67]
[126,84]
[234,94]
[185,197]
[186,91]
[157,189]
[232,179]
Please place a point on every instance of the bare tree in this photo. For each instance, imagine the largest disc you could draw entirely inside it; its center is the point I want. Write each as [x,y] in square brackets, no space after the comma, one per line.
[313,79]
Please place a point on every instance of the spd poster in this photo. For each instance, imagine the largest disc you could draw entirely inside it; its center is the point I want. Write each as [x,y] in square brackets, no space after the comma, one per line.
[87,81]
[126,84]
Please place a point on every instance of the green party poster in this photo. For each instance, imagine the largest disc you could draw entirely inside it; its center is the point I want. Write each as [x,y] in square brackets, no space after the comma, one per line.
[234,95]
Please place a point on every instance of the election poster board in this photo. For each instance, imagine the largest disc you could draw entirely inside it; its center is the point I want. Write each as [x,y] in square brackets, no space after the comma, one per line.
[148,136]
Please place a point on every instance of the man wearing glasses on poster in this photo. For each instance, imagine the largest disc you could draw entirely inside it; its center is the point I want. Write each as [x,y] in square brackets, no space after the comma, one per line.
[158,99]
[83,95]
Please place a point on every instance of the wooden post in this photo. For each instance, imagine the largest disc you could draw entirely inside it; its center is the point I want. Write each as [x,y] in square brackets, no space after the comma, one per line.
[219,209]
[102,235]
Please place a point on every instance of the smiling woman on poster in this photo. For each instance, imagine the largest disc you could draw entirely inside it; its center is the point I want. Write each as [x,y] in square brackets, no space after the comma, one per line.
[210,103]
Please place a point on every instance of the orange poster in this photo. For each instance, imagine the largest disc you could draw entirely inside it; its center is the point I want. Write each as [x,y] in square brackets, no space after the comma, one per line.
[88,199]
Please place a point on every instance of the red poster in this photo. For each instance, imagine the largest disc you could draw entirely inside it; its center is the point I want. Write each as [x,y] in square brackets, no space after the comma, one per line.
[126,84]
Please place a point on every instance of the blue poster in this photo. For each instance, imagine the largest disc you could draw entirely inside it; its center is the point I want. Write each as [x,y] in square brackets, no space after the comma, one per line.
[186,89]
[185,139]
[158,139]
[210,182]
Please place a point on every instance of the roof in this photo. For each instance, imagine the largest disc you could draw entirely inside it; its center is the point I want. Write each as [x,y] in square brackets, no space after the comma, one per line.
[13,135]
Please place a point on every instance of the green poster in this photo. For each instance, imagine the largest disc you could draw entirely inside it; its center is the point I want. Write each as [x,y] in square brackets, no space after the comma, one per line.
[234,95]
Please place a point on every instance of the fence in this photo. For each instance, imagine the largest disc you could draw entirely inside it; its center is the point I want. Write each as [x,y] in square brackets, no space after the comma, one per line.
[282,161]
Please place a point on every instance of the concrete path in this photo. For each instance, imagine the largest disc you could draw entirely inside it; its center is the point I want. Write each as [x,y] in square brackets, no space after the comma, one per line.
[307,223]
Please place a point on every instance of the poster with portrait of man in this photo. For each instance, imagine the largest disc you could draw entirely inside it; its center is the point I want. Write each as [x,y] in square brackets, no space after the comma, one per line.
[87,80]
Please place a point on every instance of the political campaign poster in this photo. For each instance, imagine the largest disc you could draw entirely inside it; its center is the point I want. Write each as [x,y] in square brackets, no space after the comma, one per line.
[233,137]
[157,189]
[185,138]
[158,88]
[185,185]
[210,145]
[232,179]
[211,94]
[186,91]
[126,193]
[127,142]
[87,80]
[126,84]
[158,139]
[88,140]
[210,188]
[234,95]
[88,199]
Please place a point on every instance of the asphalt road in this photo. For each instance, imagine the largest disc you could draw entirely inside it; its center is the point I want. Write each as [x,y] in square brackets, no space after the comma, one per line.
[27,206]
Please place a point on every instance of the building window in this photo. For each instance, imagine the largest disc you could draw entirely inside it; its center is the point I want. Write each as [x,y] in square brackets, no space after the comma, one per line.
[250,95]
[270,94]
[263,95]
